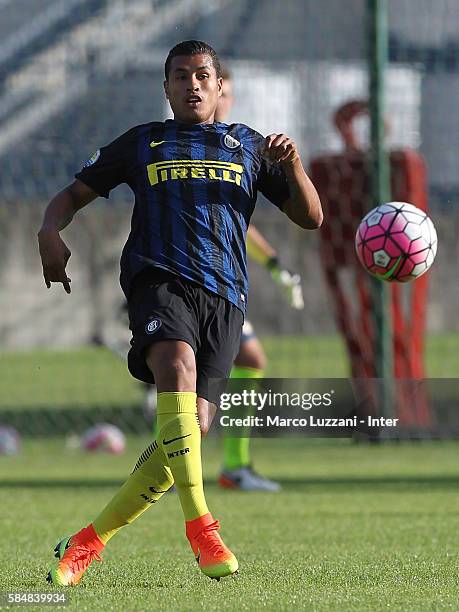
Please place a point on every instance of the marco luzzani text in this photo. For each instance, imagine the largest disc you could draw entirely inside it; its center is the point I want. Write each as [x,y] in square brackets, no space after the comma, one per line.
[258,401]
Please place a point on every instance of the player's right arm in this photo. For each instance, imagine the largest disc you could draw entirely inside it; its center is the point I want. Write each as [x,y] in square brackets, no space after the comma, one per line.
[102,172]
[59,213]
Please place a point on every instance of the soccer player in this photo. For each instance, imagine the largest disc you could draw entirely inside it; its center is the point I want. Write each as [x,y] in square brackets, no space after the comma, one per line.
[183,271]
[250,362]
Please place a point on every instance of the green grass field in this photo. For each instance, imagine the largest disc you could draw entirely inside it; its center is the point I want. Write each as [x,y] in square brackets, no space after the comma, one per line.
[355,528]
[95,377]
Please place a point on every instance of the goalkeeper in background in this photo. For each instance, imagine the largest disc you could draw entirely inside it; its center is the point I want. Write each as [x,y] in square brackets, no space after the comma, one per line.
[250,362]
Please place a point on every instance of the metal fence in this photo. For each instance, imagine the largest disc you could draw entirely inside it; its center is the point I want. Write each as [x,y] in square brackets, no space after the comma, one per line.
[82,72]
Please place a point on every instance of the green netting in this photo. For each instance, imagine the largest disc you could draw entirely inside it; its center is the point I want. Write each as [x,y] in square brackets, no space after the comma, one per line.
[71,88]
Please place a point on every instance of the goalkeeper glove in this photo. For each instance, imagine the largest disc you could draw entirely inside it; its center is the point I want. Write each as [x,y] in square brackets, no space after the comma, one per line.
[288,282]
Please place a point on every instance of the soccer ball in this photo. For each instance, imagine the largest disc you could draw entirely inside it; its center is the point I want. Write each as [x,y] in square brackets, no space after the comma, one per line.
[104,437]
[396,242]
[9,440]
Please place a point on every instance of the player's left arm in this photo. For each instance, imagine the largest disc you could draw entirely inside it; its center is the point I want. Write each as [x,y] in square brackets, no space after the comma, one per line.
[303,206]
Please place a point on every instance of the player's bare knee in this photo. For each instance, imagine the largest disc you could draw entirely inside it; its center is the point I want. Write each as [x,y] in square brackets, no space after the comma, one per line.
[173,366]
[258,361]
[178,372]
[182,365]
[251,355]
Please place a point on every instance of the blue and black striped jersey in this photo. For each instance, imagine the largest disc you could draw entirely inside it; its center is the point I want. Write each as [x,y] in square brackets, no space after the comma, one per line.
[195,189]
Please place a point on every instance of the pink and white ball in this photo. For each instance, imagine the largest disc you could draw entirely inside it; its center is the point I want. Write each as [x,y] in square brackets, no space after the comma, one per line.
[396,242]
[104,437]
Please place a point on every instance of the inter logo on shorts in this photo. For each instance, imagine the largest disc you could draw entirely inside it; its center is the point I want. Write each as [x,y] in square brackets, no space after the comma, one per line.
[92,160]
[153,326]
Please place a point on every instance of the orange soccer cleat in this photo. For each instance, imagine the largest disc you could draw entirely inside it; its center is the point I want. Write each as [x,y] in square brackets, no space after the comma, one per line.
[75,555]
[214,558]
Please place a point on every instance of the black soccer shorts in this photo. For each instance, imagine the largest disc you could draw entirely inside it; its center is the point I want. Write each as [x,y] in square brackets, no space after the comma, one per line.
[164,306]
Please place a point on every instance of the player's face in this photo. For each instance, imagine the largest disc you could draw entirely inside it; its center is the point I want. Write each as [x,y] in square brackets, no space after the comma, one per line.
[193,88]
[225,101]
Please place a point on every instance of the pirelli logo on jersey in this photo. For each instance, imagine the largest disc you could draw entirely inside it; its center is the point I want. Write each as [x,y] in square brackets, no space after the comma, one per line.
[184,169]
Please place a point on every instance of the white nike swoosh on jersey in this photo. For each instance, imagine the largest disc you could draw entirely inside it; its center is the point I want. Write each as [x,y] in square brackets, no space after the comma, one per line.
[155,144]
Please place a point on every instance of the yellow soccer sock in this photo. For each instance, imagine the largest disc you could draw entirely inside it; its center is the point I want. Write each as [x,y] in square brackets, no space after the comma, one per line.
[179,435]
[236,450]
[149,480]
